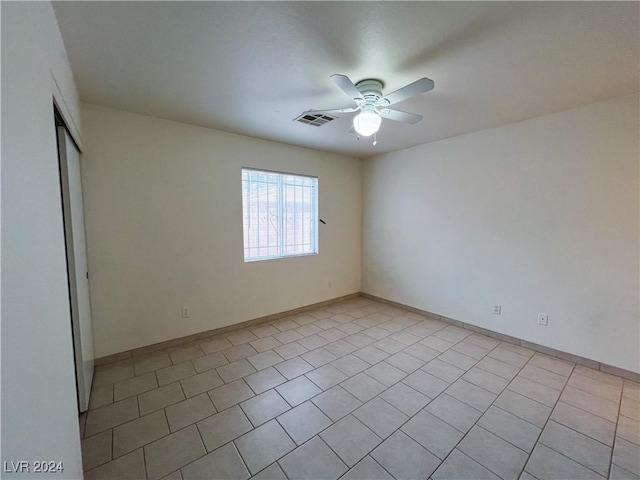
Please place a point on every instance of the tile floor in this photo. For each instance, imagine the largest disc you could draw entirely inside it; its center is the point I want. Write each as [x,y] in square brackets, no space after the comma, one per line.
[358,390]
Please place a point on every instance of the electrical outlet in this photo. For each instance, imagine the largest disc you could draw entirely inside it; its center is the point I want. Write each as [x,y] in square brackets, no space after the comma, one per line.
[185,312]
[497,309]
[543,319]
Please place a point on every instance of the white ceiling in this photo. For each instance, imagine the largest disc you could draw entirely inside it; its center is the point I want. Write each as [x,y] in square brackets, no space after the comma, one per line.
[251,67]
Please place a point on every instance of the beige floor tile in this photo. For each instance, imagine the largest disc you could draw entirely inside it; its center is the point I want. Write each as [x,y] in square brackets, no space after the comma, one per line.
[236,370]
[456,413]
[389,345]
[318,357]
[96,450]
[627,455]
[482,341]
[264,445]
[385,373]
[488,381]
[183,354]
[223,427]
[435,343]
[224,463]
[303,422]
[544,377]
[216,344]
[201,383]
[497,367]
[405,399]
[492,452]
[598,375]
[332,335]
[590,403]
[363,387]
[404,458]
[470,350]
[314,460]
[104,418]
[368,469]
[381,417]
[552,364]
[264,331]
[340,348]
[453,334]
[630,408]
[264,344]
[535,391]
[350,439]
[350,365]
[458,359]
[273,472]
[308,330]
[101,396]
[239,352]
[437,436]
[139,432]
[580,448]
[443,370]
[160,398]
[350,328]
[265,359]
[173,452]
[294,368]
[230,394]
[405,362]
[425,383]
[264,380]
[459,466]
[629,429]
[618,473]
[241,336]
[290,350]
[298,390]
[209,362]
[547,463]
[596,387]
[591,425]
[264,407]
[127,467]
[336,403]
[175,373]
[152,363]
[405,338]
[189,411]
[133,386]
[288,337]
[511,428]
[359,339]
[421,352]
[507,356]
[312,342]
[109,374]
[326,376]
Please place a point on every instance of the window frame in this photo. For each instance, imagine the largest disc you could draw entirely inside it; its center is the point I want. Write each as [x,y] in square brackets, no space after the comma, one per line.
[281,245]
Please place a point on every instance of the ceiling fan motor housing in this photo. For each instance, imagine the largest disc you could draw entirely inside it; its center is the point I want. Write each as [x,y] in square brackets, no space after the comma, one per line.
[371,89]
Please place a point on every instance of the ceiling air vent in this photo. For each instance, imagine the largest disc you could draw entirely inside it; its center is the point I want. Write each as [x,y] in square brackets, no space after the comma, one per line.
[315,119]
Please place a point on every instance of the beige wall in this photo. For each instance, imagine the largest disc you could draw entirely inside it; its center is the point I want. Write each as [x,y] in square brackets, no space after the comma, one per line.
[538,216]
[39,408]
[163,211]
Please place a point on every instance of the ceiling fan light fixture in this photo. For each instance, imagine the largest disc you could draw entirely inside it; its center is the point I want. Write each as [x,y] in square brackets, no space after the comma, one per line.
[367,123]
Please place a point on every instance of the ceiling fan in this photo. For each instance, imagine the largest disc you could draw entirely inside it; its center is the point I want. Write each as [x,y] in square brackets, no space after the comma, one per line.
[372,105]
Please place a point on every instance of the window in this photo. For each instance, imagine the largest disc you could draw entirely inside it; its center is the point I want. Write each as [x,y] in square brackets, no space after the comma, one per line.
[279,213]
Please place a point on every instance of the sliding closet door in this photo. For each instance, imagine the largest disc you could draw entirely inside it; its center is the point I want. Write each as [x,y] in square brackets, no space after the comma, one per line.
[69,157]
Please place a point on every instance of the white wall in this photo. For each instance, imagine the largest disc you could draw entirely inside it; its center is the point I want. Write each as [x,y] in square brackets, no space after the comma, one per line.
[39,408]
[163,209]
[539,216]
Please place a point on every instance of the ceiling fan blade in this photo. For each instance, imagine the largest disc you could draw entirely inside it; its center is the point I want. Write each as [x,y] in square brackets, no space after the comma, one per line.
[346,85]
[416,88]
[333,111]
[399,116]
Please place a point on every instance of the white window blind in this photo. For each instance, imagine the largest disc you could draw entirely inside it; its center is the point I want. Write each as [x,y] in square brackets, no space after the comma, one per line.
[280,214]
